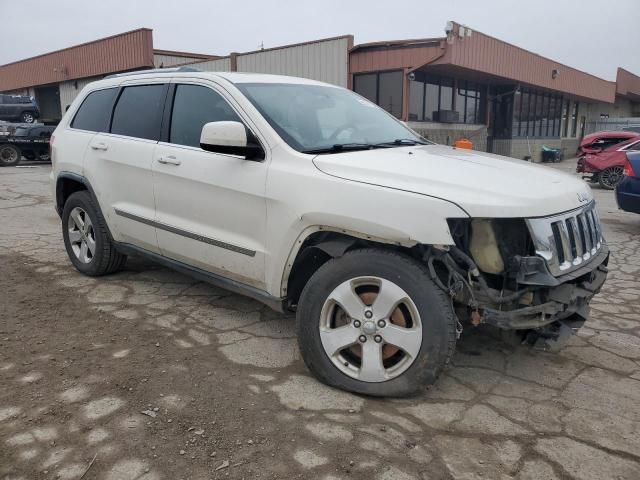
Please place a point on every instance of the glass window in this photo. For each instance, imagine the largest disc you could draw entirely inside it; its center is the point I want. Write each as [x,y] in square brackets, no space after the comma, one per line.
[544,122]
[446,94]
[431,101]
[574,120]
[517,114]
[93,115]
[416,101]
[461,100]
[565,118]
[138,112]
[473,103]
[315,118]
[193,106]
[390,92]
[367,86]
[524,113]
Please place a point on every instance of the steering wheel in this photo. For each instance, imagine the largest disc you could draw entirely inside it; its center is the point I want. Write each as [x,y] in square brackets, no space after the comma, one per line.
[342,128]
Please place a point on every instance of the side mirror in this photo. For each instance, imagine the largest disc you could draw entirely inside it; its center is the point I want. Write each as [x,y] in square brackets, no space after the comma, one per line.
[231,138]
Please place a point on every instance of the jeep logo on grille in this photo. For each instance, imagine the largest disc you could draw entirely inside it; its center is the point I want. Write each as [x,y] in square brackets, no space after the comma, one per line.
[583,197]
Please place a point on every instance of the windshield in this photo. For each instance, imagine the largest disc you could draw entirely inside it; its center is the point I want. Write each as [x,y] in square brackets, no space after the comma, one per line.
[324,119]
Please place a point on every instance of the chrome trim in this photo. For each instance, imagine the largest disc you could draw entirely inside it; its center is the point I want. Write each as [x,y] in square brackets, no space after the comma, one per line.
[567,240]
[186,233]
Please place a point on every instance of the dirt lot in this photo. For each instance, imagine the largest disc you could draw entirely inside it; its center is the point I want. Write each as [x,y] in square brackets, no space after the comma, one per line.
[150,375]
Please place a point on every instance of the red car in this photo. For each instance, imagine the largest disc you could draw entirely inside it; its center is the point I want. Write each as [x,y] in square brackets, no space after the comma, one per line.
[606,166]
[595,142]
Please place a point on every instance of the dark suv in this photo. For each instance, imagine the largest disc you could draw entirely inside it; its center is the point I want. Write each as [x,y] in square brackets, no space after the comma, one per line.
[18,107]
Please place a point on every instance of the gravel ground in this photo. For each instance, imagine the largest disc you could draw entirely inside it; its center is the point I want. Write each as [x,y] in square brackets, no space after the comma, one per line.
[148,374]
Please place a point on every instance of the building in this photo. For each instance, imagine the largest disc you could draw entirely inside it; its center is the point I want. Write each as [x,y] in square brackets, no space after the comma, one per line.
[56,78]
[503,98]
[506,99]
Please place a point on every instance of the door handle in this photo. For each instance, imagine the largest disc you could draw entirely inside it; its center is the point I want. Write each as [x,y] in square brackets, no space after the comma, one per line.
[169,160]
[100,146]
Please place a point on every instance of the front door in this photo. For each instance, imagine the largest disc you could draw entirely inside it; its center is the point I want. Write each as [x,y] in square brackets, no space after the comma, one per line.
[120,164]
[210,207]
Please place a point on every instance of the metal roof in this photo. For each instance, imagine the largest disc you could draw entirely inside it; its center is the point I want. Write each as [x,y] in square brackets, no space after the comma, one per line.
[126,51]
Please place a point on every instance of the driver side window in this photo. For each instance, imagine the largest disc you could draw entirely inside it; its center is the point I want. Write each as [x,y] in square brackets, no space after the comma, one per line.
[193,106]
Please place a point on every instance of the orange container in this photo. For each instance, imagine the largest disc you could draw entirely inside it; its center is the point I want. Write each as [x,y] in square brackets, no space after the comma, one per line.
[463,143]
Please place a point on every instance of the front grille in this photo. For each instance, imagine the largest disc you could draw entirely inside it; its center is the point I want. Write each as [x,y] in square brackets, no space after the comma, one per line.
[567,240]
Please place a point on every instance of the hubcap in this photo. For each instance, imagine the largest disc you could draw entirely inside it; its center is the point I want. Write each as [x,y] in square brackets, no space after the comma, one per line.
[8,155]
[370,329]
[81,235]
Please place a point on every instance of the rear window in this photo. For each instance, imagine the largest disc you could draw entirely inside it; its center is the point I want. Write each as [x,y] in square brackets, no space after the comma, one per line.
[138,112]
[94,113]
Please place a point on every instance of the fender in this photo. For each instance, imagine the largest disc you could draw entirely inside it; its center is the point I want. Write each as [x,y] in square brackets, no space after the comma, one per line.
[83,180]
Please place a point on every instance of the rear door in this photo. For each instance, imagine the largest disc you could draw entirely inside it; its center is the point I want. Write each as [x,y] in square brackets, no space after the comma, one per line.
[210,207]
[118,162]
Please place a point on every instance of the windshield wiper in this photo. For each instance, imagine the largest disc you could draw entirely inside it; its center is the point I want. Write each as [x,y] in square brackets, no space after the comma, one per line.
[403,142]
[346,147]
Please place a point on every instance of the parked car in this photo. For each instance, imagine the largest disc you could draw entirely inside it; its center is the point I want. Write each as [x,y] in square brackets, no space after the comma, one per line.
[628,190]
[311,199]
[596,142]
[18,108]
[30,142]
[606,166]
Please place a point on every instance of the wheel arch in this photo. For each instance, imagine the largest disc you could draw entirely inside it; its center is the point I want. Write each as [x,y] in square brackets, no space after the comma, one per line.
[317,246]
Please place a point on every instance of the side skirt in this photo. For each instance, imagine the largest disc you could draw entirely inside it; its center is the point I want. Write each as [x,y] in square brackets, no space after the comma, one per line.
[275,303]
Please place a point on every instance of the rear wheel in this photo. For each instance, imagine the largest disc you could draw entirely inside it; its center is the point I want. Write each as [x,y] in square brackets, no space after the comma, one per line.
[86,237]
[373,322]
[9,155]
[610,177]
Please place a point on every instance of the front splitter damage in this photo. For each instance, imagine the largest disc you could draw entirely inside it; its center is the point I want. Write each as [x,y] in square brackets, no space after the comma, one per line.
[548,324]
[566,300]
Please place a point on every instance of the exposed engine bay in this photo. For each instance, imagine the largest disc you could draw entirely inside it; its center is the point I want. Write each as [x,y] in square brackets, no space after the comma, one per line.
[494,276]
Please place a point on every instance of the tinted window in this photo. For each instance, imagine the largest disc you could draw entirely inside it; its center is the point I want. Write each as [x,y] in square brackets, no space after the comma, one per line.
[93,114]
[367,86]
[193,106]
[138,112]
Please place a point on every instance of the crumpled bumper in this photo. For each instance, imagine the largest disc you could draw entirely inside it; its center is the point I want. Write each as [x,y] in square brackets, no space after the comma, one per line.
[568,299]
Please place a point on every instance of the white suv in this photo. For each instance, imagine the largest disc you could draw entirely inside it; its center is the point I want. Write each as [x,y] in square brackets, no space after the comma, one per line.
[311,199]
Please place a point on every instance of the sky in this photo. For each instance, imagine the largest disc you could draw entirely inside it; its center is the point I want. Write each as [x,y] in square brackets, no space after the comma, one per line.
[595,36]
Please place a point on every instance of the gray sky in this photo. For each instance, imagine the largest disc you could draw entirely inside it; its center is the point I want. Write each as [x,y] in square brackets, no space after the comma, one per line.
[592,35]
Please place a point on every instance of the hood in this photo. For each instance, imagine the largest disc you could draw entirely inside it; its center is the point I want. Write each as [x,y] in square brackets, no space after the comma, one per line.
[482,184]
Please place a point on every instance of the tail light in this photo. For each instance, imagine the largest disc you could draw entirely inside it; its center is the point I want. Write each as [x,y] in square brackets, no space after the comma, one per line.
[628,169]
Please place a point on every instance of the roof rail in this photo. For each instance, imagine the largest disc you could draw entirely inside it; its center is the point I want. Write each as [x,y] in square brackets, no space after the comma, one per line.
[154,70]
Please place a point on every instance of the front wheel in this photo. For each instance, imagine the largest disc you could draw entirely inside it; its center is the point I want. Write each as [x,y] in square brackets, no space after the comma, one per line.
[610,177]
[374,322]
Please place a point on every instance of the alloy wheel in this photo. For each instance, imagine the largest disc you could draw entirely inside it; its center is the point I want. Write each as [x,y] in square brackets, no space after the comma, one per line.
[370,329]
[610,177]
[81,235]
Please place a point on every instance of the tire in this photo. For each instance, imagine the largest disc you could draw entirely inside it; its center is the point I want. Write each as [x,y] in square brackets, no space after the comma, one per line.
[10,155]
[423,304]
[82,220]
[27,117]
[610,177]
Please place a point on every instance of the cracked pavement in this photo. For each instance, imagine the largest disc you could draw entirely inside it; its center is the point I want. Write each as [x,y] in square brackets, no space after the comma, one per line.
[225,394]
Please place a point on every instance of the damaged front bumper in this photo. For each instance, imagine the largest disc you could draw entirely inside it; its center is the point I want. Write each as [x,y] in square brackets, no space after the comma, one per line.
[567,297]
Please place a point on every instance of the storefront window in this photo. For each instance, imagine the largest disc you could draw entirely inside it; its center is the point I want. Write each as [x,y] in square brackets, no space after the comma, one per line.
[574,120]
[431,101]
[416,101]
[382,88]
[446,94]
[536,114]
[565,118]
[366,85]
